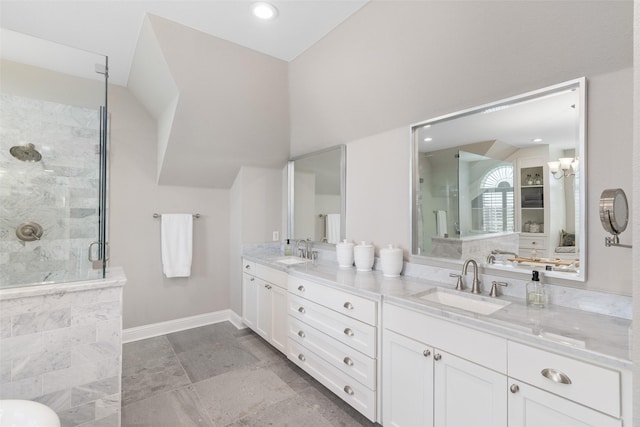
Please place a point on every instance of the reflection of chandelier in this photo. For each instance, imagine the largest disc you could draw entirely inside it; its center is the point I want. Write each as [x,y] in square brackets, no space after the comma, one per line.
[565,166]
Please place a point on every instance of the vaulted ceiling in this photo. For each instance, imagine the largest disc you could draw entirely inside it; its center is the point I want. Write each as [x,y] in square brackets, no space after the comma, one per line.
[214,77]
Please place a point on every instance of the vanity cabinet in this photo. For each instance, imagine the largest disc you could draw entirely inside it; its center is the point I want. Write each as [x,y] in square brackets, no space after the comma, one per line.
[429,379]
[264,303]
[439,373]
[333,337]
[552,389]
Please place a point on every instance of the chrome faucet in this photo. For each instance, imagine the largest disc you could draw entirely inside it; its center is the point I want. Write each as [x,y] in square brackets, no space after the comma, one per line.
[306,251]
[501,252]
[302,252]
[475,288]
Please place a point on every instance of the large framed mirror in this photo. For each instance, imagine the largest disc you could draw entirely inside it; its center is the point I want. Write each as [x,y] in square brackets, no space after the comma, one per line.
[504,183]
[317,183]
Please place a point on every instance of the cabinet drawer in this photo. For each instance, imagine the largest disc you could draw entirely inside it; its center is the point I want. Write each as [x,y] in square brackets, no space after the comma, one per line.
[481,348]
[345,387]
[346,359]
[533,242]
[591,385]
[346,303]
[351,332]
[271,275]
[248,266]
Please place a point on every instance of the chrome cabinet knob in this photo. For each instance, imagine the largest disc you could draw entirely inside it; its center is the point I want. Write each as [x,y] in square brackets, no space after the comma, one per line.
[437,356]
[348,390]
[252,279]
[347,361]
[348,332]
[301,334]
[301,309]
[348,305]
[301,288]
[248,266]
[301,357]
[426,353]
[514,388]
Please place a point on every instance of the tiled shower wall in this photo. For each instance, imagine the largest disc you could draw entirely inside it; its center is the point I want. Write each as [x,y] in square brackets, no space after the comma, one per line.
[60,192]
[61,345]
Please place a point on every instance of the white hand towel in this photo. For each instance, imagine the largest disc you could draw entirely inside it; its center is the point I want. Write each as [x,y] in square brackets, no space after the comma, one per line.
[177,244]
[441,223]
[333,228]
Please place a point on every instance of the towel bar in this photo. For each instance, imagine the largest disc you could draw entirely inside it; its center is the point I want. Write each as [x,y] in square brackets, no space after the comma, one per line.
[157,215]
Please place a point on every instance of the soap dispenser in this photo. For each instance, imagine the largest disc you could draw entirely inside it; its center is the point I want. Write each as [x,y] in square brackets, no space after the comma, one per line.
[288,250]
[536,294]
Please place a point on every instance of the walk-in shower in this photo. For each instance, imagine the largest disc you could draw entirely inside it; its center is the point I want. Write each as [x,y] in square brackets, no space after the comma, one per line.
[53,163]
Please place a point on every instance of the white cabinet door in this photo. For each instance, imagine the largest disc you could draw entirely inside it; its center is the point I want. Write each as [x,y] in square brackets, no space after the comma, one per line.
[264,321]
[279,318]
[531,407]
[466,394]
[407,382]
[249,300]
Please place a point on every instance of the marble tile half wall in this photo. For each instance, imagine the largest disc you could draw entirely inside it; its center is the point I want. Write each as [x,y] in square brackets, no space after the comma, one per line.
[63,348]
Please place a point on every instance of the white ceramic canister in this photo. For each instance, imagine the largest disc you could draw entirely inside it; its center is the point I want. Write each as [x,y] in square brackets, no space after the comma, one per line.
[363,255]
[344,253]
[391,261]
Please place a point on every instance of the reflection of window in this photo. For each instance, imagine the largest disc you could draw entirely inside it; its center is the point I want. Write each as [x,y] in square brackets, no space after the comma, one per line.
[496,200]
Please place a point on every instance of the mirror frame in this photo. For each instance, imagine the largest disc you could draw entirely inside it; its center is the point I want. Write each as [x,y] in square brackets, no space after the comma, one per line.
[508,271]
[343,191]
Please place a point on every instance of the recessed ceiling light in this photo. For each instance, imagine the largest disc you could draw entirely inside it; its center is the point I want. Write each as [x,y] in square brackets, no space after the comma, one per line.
[537,140]
[428,139]
[264,10]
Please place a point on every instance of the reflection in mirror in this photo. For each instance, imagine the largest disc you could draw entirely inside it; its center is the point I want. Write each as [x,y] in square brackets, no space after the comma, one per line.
[503,183]
[317,196]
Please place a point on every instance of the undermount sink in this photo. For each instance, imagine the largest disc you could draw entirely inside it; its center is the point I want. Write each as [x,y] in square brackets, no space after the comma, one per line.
[291,260]
[464,301]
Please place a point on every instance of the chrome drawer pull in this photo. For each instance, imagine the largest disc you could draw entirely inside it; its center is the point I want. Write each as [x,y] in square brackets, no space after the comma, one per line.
[267,286]
[348,390]
[301,334]
[252,279]
[437,356]
[347,361]
[555,376]
[348,332]
[514,388]
[426,353]
[301,357]
[348,305]
[301,288]
[248,267]
[301,310]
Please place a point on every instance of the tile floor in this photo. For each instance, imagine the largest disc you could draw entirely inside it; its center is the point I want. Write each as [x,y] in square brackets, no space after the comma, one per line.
[218,375]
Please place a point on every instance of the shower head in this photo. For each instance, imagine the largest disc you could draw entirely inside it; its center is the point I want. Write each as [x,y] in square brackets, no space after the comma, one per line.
[26,153]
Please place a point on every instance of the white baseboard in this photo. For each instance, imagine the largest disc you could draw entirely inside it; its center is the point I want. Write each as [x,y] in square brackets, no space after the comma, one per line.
[162,328]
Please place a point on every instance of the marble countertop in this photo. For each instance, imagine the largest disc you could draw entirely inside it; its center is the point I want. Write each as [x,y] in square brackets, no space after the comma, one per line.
[581,334]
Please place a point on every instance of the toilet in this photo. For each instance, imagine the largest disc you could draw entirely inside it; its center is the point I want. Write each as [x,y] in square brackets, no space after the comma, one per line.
[25,413]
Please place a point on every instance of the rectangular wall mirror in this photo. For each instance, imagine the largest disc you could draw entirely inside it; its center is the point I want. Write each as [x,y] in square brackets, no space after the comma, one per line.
[317,196]
[504,183]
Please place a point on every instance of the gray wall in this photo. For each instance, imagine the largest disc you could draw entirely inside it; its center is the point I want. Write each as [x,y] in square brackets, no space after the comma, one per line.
[256,212]
[396,63]
[150,297]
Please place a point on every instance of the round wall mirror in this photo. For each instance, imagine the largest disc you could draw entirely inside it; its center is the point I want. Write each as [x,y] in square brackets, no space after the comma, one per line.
[614,210]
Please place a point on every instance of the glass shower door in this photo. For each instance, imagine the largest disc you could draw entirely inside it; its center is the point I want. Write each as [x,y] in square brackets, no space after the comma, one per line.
[52,165]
